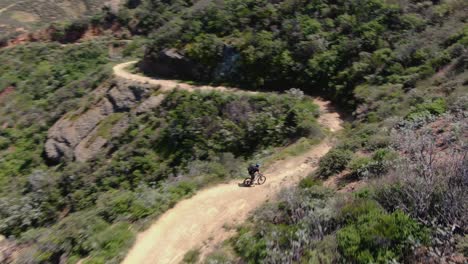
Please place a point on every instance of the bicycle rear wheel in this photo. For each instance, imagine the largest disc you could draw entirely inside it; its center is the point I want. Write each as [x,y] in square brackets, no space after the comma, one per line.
[261,179]
[247,182]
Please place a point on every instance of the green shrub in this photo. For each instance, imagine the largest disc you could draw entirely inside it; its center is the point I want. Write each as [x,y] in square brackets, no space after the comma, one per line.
[296,223]
[378,141]
[201,124]
[462,244]
[384,155]
[334,161]
[108,244]
[218,258]
[250,247]
[372,117]
[76,234]
[191,256]
[360,166]
[122,205]
[377,165]
[4,143]
[182,189]
[324,252]
[351,211]
[436,107]
[363,135]
[377,237]
[309,182]
[363,193]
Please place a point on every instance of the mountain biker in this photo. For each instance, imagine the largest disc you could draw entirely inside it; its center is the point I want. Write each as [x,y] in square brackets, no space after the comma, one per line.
[252,169]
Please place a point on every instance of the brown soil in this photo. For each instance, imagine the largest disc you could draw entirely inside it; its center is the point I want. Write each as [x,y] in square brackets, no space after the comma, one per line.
[120,71]
[6,92]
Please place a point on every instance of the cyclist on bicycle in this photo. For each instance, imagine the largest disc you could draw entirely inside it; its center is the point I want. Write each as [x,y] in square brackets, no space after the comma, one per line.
[253,169]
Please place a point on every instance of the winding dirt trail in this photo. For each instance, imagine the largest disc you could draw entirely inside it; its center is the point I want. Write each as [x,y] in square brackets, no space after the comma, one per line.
[120,70]
[200,222]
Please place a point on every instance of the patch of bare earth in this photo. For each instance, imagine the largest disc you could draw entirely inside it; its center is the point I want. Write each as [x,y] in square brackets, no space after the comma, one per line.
[6,92]
[121,71]
[343,182]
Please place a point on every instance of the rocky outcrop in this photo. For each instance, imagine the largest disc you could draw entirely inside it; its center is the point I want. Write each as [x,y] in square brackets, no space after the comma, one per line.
[149,104]
[82,134]
[169,63]
[174,64]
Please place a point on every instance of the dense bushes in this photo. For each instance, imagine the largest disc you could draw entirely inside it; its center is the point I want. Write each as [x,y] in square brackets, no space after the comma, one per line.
[376,165]
[413,212]
[76,236]
[200,124]
[309,225]
[46,81]
[334,161]
[429,183]
[322,47]
[288,230]
[372,236]
[435,107]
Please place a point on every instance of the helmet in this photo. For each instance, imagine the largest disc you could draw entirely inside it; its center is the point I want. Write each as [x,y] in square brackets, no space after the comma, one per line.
[257,165]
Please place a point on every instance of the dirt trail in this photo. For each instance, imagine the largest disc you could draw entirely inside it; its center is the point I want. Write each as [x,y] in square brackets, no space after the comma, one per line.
[8,7]
[120,70]
[201,221]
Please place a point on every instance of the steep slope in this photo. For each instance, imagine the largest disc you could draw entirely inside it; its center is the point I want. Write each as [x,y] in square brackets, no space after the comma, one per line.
[170,143]
[76,136]
[200,222]
[126,148]
[23,15]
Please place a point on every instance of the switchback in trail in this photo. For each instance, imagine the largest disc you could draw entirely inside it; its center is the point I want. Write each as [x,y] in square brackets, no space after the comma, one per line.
[121,71]
[200,222]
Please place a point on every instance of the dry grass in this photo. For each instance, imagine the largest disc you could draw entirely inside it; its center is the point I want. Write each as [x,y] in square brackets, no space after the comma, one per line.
[24,17]
[30,14]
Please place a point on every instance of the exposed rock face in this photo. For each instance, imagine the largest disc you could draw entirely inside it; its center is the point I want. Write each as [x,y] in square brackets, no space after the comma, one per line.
[173,64]
[169,63]
[150,104]
[83,134]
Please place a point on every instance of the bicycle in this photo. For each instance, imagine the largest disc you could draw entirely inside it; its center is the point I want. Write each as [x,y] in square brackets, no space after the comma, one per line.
[259,178]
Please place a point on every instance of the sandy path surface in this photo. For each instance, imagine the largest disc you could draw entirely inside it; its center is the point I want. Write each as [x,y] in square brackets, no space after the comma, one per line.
[120,70]
[200,222]
[8,7]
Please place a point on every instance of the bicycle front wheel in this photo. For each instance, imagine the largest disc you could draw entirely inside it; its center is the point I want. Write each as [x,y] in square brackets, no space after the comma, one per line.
[261,179]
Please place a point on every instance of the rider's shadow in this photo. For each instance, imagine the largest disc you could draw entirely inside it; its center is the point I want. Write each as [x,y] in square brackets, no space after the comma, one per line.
[244,185]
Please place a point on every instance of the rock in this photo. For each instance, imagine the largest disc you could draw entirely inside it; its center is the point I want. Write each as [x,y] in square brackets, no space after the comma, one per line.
[89,148]
[150,103]
[122,99]
[76,135]
[169,63]
[67,133]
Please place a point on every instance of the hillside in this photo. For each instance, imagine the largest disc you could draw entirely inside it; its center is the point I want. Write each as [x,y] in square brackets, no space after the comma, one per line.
[25,15]
[109,139]
[147,148]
